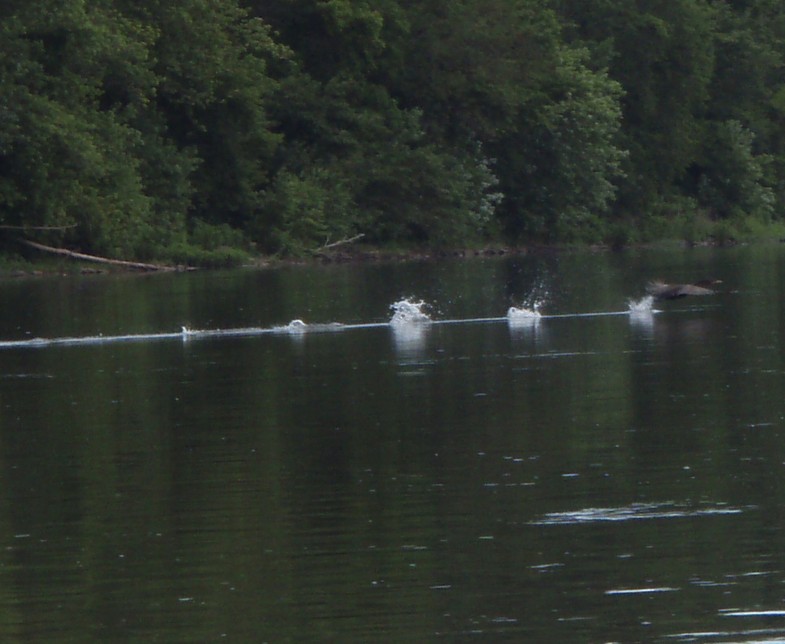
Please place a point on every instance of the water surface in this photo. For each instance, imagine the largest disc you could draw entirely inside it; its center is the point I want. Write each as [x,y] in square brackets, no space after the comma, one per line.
[591,474]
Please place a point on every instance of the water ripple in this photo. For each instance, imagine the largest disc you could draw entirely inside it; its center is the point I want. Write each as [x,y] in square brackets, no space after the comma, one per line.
[634,512]
[641,591]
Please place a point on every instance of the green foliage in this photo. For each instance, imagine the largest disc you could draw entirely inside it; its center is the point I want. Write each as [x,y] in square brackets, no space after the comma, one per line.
[65,159]
[424,194]
[732,181]
[208,245]
[469,64]
[304,212]
[662,55]
[211,62]
[354,161]
[199,129]
[187,254]
[565,153]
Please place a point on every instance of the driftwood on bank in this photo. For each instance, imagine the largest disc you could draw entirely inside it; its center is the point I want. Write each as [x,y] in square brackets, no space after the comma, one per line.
[141,266]
[340,242]
[9,227]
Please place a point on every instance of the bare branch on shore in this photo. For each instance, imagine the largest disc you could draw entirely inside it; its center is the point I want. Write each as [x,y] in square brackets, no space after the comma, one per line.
[340,242]
[95,258]
[10,227]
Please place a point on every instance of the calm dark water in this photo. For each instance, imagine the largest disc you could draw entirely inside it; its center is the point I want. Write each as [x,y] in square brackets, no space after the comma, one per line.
[580,478]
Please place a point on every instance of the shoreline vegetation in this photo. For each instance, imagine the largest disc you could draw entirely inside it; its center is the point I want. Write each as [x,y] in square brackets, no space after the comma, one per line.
[69,264]
[138,134]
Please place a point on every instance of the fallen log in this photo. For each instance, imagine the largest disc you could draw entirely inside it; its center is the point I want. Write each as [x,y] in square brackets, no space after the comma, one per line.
[341,242]
[9,227]
[142,266]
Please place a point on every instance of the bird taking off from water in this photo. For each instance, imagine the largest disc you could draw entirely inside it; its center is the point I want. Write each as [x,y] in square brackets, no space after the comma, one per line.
[662,291]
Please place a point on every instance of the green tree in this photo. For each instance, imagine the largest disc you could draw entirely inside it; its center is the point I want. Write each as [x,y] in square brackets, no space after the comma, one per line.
[211,64]
[741,169]
[345,128]
[496,76]
[560,165]
[732,181]
[662,54]
[67,151]
[469,64]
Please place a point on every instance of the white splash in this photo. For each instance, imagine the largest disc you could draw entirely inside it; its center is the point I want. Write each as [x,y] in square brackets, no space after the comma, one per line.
[410,324]
[524,315]
[296,327]
[527,317]
[642,314]
[528,314]
[407,312]
[642,306]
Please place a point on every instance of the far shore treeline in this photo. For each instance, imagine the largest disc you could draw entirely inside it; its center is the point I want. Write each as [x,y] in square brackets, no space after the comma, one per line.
[205,130]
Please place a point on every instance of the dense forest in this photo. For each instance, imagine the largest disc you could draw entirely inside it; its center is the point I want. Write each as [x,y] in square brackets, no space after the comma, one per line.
[201,130]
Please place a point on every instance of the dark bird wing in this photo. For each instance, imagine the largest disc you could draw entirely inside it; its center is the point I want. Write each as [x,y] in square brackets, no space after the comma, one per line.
[663,291]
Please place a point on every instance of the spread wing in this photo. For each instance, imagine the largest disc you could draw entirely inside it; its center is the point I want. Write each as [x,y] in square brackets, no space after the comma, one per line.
[664,291]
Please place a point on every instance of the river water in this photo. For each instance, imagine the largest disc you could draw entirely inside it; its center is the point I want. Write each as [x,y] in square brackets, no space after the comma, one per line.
[533,453]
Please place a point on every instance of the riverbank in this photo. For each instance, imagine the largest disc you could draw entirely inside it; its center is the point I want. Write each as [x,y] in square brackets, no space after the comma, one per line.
[15,267]
[34,259]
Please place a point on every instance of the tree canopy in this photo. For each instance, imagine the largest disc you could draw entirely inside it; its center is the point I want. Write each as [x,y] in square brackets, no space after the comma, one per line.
[192,128]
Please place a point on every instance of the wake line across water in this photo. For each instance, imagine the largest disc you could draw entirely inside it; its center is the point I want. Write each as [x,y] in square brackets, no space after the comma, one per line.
[407,315]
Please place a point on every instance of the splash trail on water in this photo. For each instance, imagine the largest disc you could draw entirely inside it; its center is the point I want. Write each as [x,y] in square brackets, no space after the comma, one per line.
[643,306]
[409,316]
[407,312]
